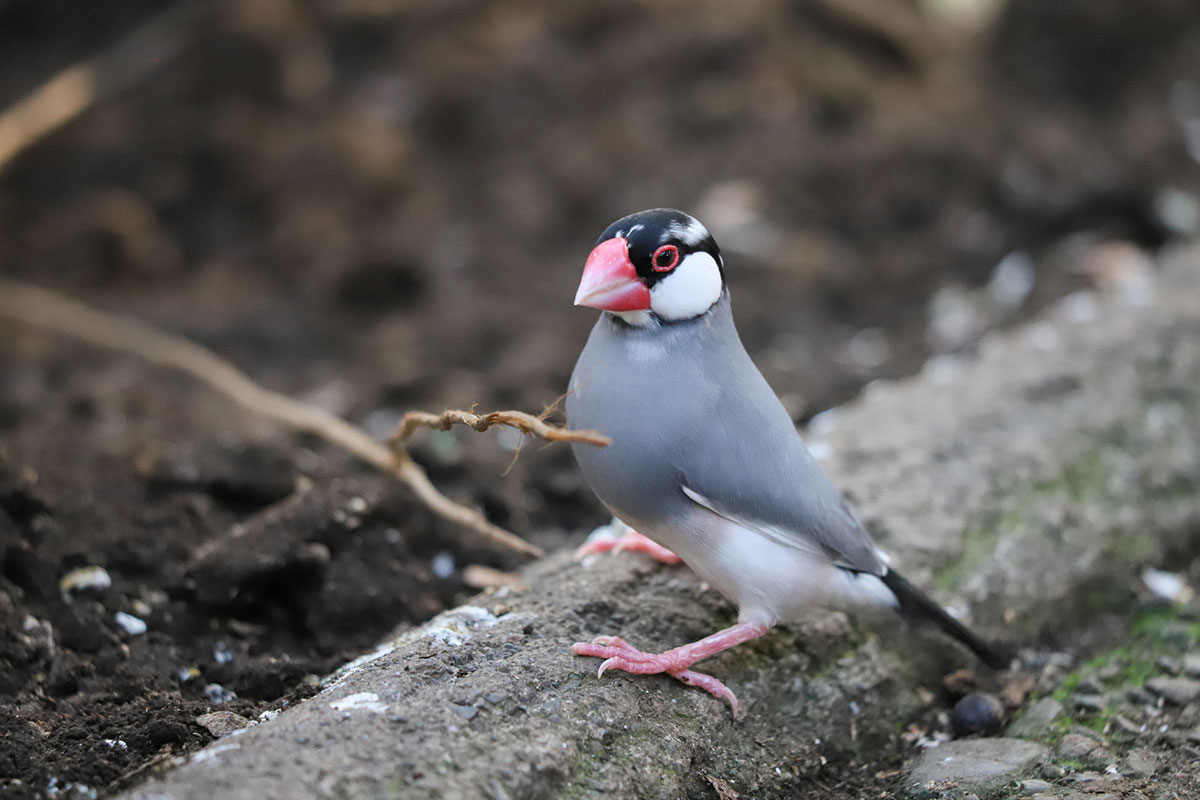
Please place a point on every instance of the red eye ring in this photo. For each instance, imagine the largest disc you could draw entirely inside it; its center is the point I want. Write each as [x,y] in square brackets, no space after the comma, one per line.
[671,251]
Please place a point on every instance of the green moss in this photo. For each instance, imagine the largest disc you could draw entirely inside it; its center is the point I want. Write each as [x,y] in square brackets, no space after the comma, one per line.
[1061,727]
[1129,665]
[1018,510]
[623,758]
[1134,548]
[978,545]
[1088,480]
[1095,480]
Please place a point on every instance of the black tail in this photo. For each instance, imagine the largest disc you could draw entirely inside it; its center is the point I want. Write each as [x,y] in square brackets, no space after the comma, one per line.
[915,603]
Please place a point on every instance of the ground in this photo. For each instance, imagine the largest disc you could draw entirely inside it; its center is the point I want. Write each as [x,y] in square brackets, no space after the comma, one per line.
[378,209]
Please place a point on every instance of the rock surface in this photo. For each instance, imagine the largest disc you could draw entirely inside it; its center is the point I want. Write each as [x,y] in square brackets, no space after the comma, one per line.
[1083,428]
[1078,747]
[977,764]
[1036,721]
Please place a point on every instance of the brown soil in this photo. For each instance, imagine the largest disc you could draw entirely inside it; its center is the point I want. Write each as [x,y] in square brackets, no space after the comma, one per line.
[380,210]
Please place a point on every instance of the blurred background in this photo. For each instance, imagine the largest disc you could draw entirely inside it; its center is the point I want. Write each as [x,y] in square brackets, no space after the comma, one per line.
[380,205]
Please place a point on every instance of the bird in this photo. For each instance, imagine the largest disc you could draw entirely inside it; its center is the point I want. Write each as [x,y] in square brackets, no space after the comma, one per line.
[705,465]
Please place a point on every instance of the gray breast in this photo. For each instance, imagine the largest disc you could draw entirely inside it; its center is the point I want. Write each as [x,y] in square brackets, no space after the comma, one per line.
[648,390]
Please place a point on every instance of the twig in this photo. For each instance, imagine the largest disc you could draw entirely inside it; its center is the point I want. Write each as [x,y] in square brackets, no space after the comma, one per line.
[526,423]
[43,308]
[77,88]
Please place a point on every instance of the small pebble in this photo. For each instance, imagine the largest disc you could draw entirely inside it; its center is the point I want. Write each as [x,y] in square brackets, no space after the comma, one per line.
[1168,664]
[1178,211]
[1076,746]
[443,564]
[1191,665]
[1140,764]
[868,348]
[1012,279]
[130,624]
[977,713]
[1125,725]
[1167,585]
[1035,785]
[1079,308]
[222,723]
[466,712]
[1140,696]
[961,682]
[83,579]
[221,653]
[217,694]
[1035,722]
[1179,691]
[1014,688]
[1090,702]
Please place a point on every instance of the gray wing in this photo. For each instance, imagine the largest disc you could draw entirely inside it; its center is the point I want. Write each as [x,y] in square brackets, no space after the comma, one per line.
[746,462]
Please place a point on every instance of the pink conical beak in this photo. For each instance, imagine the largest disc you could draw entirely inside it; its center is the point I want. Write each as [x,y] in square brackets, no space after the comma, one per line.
[610,281]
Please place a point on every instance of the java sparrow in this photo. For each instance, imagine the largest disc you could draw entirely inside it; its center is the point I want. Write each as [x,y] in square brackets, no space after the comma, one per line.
[704,460]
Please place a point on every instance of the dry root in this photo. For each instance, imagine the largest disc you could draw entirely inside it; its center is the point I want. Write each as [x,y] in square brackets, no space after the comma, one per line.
[45,309]
[525,423]
[76,89]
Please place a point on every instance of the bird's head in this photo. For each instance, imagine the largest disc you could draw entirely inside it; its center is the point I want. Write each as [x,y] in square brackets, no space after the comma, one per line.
[657,265]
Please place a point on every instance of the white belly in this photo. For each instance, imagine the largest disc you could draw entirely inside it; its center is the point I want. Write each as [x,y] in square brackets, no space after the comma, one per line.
[770,582]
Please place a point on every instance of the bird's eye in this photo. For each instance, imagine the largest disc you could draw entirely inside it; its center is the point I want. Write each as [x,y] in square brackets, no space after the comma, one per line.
[665,258]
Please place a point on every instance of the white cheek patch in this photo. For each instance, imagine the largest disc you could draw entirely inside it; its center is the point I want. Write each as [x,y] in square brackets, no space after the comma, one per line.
[689,290]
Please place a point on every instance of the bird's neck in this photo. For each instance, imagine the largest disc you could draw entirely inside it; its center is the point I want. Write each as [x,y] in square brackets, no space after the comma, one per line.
[648,320]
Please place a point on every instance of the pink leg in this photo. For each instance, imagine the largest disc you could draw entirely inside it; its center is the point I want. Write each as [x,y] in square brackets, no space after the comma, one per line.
[619,654]
[631,541]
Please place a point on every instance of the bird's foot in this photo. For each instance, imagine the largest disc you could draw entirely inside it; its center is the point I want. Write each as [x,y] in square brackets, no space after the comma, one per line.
[631,541]
[619,654]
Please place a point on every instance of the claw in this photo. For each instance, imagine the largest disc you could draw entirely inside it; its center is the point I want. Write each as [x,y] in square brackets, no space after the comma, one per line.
[631,541]
[619,654]
[711,685]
